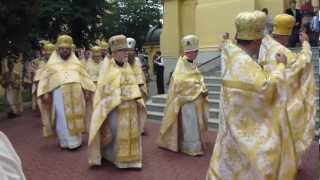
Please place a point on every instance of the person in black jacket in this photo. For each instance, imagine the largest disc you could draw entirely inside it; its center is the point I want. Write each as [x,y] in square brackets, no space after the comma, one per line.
[293,11]
[159,70]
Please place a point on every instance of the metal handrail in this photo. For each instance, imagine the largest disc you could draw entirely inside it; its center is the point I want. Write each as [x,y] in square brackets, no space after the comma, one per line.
[210,60]
[207,62]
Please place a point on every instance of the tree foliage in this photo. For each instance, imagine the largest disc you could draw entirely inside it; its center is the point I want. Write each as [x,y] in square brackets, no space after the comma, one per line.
[25,22]
[16,18]
[136,17]
[79,18]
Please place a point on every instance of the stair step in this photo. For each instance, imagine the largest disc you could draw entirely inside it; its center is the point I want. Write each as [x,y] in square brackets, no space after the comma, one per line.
[155,115]
[214,113]
[214,87]
[159,99]
[214,103]
[155,107]
[214,94]
[213,123]
[212,80]
[315,60]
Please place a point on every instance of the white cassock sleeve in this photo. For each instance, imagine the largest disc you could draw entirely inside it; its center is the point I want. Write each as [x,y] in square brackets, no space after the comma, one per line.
[10,163]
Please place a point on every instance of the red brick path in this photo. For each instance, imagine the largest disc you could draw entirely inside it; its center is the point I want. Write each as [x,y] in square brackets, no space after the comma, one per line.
[44,160]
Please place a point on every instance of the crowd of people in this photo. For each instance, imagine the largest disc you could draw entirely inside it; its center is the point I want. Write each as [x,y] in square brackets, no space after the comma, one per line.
[267,103]
[306,19]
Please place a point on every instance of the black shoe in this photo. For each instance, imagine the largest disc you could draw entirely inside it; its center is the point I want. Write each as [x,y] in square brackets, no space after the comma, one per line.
[74,149]
[144,133]
[12,115]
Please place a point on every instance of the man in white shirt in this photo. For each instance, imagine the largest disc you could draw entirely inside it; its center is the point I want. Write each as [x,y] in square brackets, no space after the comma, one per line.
[315,28]
[269,24]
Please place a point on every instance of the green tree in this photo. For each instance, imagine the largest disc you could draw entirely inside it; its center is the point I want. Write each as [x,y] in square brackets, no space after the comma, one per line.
[80,18]
[138,16]
[24,22]
[16,19]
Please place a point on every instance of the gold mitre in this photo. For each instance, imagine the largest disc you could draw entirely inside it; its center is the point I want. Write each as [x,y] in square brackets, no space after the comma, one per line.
[48,47]
[190,43]
[283,24]
[103,45]
[65,41]
[42,42]
[96,51]
[73,47]
[118,42]
[131,43]
[250,25]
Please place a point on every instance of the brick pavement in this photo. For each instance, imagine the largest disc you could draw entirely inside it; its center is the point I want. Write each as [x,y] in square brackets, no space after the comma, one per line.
[44,160]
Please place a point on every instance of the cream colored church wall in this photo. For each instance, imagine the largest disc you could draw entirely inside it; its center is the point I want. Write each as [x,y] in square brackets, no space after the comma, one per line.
[208,19]
[187,17]
[178,20]
[274,6]
[214,17]
[315,3]
[170,36]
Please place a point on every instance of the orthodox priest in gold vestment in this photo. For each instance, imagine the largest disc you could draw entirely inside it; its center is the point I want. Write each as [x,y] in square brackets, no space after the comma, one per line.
[63,86]
[104,49]
[12,82]
[14,96]
[301,105]
[115,132]
[136,66]
[94,63]
[256,139]
[185,121]
[37,67]
[19,65]
[93,66]
[37,64]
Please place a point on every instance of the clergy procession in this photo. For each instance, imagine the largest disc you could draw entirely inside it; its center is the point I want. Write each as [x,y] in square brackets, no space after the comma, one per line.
[96,102]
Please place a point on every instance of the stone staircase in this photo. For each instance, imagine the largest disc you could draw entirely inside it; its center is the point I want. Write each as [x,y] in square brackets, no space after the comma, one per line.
[156,104]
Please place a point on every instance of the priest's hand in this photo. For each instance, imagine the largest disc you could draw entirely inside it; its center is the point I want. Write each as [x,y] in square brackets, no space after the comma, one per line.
[49,98]
[106,134]
[87,95]
[206,143]
[281,58]
[303,37]
[46,99]
[205,94]
[226,36]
